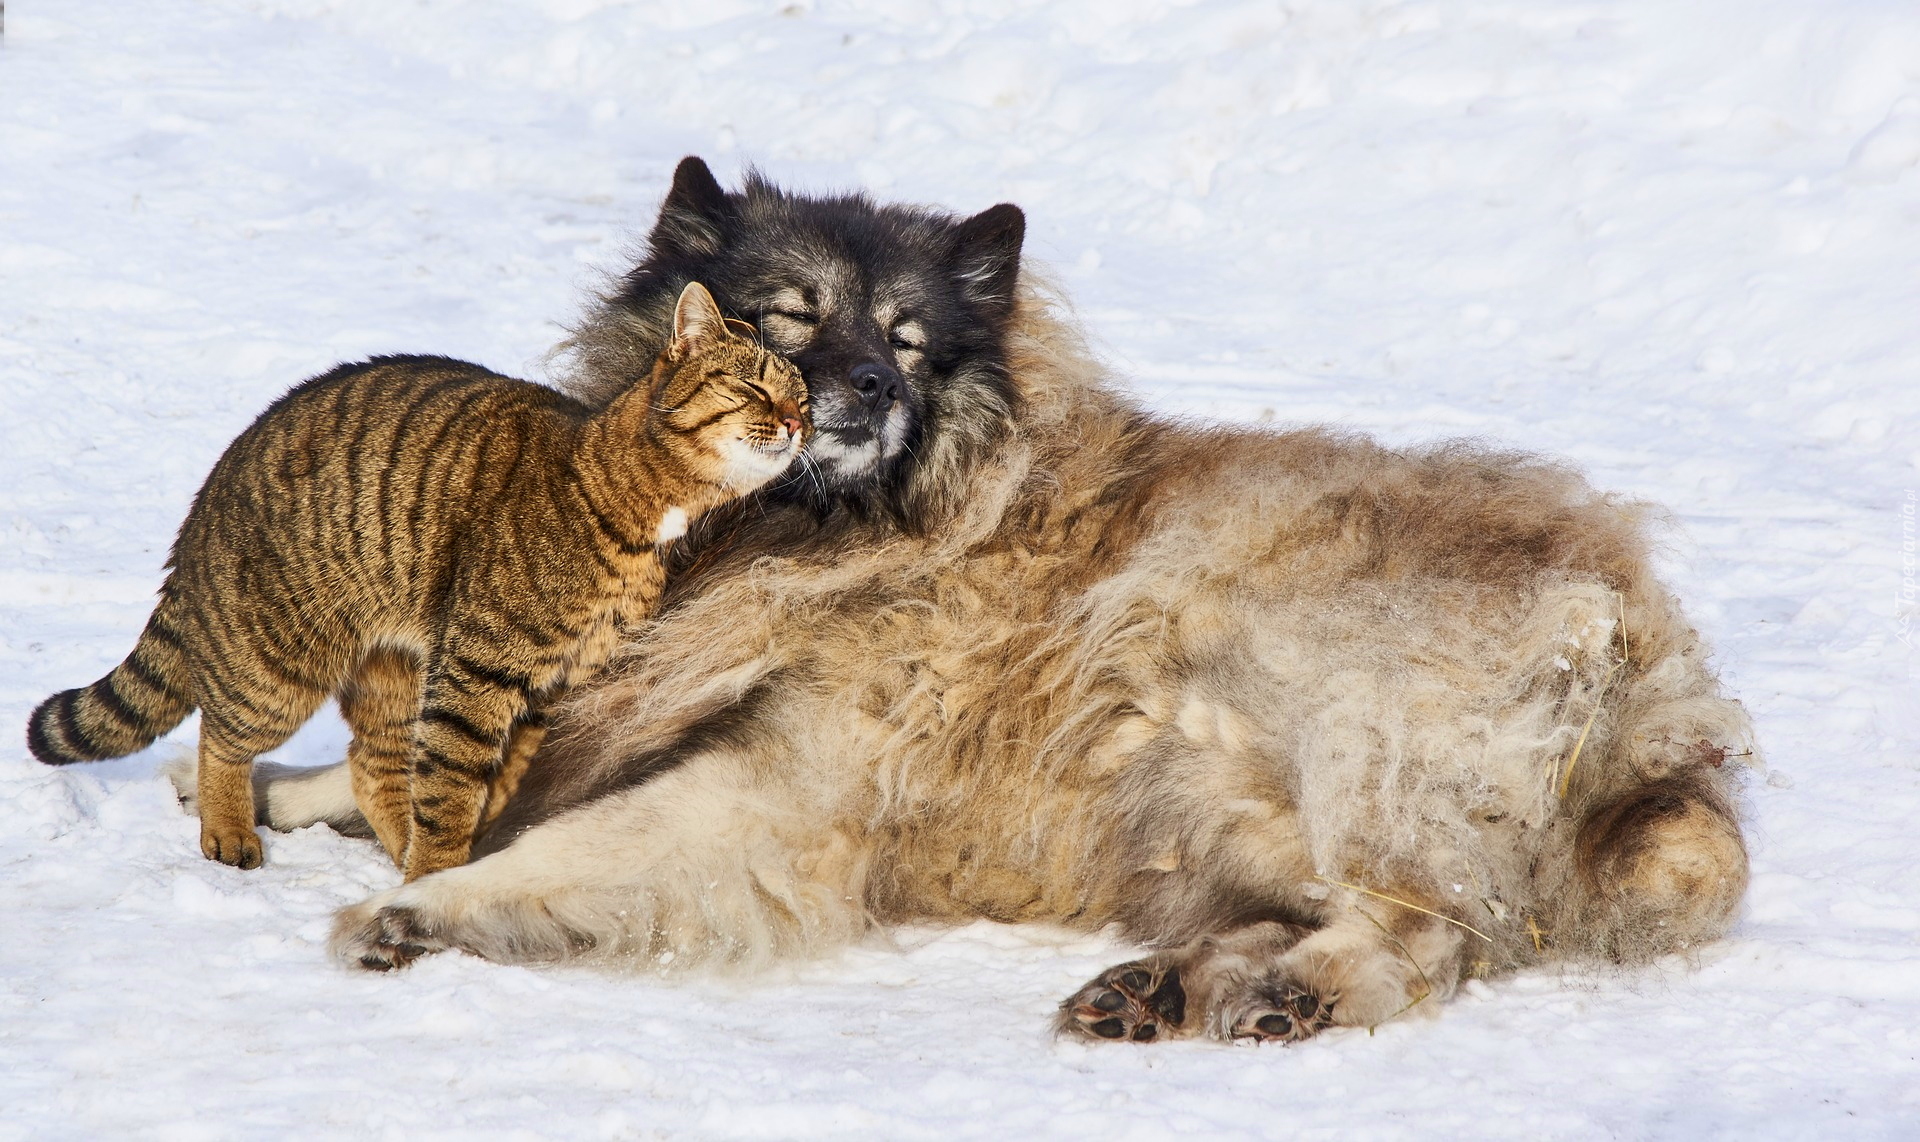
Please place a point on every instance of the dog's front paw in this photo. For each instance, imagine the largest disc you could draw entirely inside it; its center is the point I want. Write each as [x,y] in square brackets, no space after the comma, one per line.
[381,937]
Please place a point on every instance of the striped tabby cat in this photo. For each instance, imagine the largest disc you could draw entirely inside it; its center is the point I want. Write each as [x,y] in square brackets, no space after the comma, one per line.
[443,549]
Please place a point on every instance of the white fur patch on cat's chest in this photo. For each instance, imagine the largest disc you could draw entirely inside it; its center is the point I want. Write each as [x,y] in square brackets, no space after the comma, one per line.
[673,525]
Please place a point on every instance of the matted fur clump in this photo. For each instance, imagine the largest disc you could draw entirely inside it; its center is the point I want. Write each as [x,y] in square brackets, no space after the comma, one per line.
[1330,726]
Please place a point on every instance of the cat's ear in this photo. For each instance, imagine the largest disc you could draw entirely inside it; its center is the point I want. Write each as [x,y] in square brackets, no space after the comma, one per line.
[741,328]
[986,257]
[696,215]
[697,322]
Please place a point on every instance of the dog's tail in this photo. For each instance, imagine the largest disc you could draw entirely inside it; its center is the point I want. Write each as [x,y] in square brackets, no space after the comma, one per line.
[138,700]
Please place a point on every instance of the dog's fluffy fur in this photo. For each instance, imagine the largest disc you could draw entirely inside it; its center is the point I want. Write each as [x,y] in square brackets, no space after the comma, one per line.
[1292,707]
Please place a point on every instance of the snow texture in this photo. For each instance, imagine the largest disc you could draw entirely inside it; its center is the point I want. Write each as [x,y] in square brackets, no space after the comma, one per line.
[1673,242]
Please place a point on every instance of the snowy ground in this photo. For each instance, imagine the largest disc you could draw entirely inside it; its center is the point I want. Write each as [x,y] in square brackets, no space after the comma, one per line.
[1675,242]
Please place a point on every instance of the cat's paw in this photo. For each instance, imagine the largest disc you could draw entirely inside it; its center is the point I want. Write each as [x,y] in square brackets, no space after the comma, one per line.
[381,937]
[239,847]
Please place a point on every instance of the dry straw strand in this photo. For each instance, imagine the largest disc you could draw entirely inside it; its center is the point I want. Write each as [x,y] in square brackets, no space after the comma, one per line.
[1566,778]
[1405,904]
[1426,985]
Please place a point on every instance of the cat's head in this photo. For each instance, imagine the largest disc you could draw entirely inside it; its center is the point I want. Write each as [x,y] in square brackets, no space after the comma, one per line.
[732,403]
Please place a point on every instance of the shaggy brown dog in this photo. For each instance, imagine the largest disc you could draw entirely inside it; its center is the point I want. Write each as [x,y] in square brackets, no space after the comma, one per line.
[1331,725]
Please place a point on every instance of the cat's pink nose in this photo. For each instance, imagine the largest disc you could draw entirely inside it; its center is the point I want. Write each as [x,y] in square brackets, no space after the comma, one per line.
[792,424]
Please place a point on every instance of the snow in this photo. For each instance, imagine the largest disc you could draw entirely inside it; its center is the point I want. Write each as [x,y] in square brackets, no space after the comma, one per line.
[1675,243]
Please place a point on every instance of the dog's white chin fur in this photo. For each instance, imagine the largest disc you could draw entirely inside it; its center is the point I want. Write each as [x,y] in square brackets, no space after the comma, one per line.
[857,461]
[846,461]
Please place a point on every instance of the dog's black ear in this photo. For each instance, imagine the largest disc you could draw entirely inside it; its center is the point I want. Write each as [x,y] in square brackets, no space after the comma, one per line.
[694,218]
[986,256]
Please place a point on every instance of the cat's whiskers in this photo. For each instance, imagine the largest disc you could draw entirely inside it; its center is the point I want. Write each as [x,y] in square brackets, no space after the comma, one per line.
[811,468]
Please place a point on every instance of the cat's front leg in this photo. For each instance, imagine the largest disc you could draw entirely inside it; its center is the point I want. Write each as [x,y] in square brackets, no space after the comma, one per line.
[468,711]
[522,743]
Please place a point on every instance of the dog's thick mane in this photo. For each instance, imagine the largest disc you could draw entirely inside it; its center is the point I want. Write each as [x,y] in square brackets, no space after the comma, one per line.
[789,557]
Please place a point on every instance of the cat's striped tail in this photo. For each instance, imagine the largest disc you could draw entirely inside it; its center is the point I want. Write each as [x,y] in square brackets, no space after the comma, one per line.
[138,700]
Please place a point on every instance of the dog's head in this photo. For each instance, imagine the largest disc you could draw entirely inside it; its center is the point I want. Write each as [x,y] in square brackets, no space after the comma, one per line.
[895,315]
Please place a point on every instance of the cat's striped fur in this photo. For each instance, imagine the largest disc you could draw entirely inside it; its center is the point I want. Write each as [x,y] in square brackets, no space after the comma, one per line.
[442,548]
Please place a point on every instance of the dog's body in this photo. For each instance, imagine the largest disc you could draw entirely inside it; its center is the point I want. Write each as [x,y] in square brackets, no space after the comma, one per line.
[1334,726]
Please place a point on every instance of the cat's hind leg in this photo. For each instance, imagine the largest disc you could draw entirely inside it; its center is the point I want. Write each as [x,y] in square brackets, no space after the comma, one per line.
[233,733]
[1662,869]
[381,702]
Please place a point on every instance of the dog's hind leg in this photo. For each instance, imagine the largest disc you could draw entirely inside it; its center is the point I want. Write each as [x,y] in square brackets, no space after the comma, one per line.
[1276,981]
[1661,869]
[286,797]
[1166,995]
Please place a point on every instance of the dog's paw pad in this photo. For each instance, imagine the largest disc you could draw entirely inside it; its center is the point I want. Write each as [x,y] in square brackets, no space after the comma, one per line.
[1136,1002]
[1281,1015]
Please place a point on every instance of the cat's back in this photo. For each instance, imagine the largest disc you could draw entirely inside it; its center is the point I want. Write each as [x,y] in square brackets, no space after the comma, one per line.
[364,412]
[403,390]
[392,447]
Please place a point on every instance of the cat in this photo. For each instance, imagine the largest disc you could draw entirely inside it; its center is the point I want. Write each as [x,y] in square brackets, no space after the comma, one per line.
[441,548]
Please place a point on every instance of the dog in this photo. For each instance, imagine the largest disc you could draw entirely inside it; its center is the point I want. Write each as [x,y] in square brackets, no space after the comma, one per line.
[1328,727]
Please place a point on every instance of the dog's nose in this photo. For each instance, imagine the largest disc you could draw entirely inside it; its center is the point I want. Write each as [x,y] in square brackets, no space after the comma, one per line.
[877,384]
